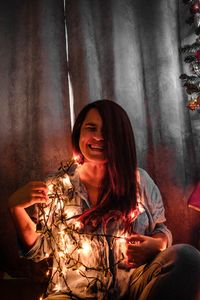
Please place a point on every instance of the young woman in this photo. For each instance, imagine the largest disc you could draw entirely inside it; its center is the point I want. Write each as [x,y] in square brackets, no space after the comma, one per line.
[101,218]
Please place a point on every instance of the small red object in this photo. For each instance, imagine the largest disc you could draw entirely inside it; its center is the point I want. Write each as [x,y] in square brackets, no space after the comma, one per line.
[194,199]
[195,8]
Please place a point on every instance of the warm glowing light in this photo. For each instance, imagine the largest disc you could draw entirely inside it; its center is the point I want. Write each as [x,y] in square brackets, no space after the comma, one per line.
[57,287]
[61,254]
[122,241]
[86,248]
[69,247]
[70,213]
[46,214]
[46,255]
[59,205]
[76,157]
[64,271]
[77,225]
[132,214]
[50,188]
[66,181]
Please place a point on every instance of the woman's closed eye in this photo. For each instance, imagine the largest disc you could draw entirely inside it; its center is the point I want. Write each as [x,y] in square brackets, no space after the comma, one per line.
[91,128]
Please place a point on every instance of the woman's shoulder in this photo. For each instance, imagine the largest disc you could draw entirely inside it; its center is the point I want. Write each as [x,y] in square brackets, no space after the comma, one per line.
[148,187]
[144,178]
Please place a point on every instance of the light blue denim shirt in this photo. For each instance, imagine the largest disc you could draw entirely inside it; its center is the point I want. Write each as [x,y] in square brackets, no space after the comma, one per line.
[90,265]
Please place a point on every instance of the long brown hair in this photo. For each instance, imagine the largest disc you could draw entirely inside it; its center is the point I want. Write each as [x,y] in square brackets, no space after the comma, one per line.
[119,186]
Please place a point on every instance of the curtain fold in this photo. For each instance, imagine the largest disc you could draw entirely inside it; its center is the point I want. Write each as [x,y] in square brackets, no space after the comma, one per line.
[35,117]
[128,51]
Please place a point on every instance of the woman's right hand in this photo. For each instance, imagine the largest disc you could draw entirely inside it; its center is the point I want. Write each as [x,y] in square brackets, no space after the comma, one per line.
[29,194]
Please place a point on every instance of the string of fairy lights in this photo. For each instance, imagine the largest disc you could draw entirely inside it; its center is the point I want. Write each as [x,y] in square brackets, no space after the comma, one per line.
[72,247]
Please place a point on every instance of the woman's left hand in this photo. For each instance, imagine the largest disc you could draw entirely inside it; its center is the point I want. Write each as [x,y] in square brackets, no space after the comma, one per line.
[141,248]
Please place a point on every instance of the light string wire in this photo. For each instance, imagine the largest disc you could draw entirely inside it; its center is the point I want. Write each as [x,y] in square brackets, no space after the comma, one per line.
[53,217]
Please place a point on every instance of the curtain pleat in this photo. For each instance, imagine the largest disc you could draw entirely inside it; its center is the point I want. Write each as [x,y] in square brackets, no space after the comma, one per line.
[34,103]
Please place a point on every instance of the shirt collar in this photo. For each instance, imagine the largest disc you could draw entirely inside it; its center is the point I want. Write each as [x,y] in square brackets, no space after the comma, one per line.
[79,187]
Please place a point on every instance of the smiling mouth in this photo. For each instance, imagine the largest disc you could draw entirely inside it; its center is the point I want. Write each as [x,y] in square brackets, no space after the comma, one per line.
[96,147]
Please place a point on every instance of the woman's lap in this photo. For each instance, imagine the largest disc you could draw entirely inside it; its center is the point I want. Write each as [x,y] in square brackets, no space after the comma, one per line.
[57,297]
[173,274]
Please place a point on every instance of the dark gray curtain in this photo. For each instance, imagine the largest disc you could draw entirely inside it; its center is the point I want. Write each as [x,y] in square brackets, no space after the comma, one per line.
[34,118]
[128,51]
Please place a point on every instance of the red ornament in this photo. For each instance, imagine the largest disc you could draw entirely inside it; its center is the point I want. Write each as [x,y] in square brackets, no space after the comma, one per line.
[195,8]
[193,104]
[197,54]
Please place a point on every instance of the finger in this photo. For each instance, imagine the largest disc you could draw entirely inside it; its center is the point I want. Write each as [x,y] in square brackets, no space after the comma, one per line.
[39,199]
[38,184]
[131,254]
[134,245]
[136,257]
[131,263]
[40,194]
[134,238]
[40,189]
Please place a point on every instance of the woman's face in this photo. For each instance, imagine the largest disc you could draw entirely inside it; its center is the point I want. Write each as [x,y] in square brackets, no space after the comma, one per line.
[91,141]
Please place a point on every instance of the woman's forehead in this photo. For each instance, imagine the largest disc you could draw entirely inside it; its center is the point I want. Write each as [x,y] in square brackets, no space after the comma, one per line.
[93,116]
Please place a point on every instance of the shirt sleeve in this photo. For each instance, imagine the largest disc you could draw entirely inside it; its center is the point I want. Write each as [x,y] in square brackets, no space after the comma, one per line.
[40,250]
[153,203]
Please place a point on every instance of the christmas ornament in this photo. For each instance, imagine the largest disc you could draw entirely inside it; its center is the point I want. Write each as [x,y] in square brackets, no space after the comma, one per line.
[195,8]
[193,104]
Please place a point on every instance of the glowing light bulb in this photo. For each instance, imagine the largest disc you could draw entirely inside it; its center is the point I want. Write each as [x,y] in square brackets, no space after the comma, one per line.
[50,188]
[86,248]
[123,245]
[61,254]
[132,214]
[61,232]
[78,225]
[70,213]
[59,205]
[57,288]
[76,158]
[64,271]
[66,181]
[46,214]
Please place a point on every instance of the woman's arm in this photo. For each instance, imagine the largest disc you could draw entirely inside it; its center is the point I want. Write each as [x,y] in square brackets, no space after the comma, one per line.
[28,195]
[162,240]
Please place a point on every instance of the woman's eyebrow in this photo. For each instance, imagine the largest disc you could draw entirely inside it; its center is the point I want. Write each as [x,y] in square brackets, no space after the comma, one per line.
[90,124]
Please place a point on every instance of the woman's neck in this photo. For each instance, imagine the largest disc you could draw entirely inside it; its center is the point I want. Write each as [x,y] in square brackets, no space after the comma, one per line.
[92,175]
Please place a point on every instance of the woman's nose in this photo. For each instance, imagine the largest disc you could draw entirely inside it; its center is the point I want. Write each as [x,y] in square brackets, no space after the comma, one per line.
[98,135]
